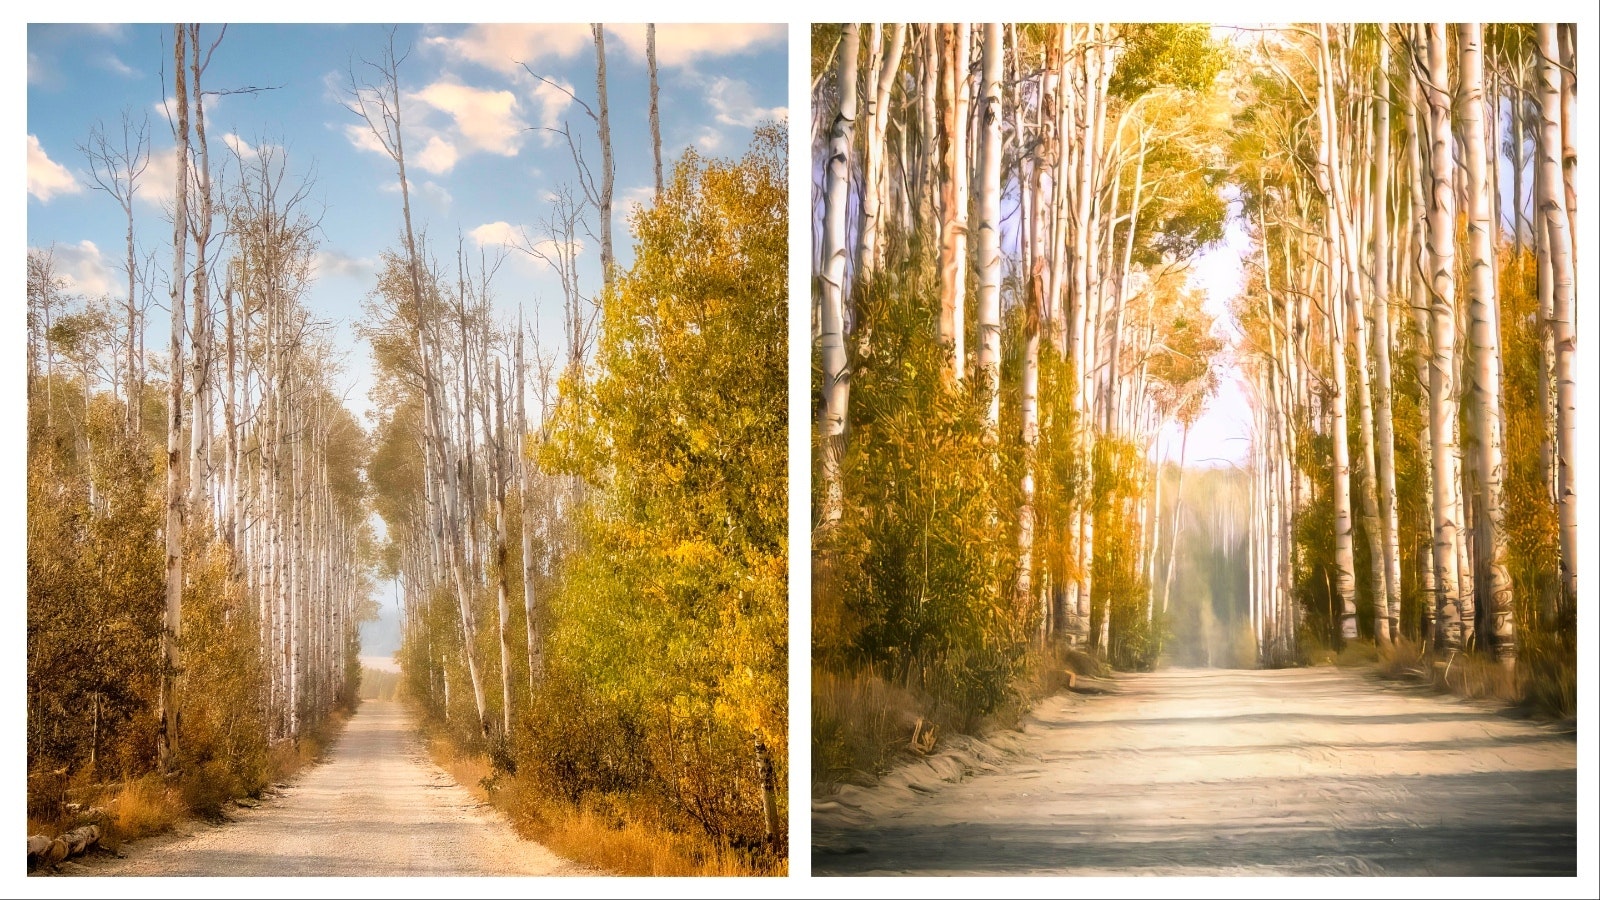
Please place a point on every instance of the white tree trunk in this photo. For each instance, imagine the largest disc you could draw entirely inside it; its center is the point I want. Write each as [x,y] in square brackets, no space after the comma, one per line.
[1485,334]
[608,258]
[1442,374]
[655,110]
[876,118]
[172,620]
[953,245]
[988,363]
[835,411]
[1552,203]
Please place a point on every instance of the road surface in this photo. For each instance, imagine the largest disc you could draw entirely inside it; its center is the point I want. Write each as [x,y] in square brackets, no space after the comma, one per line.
[1217,772]
[376,806]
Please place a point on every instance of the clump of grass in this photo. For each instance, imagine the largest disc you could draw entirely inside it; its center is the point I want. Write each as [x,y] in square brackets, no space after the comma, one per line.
[144,806]
[863,724]
[1357,654]
[1548,667]
[860,723]
[1477,676]
[1403,658]
[1544,678]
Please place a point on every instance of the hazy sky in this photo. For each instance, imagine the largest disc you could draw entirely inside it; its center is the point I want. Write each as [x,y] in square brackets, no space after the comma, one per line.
[476,168]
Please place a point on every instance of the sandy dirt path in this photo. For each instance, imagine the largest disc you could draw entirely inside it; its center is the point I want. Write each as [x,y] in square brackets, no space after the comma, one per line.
[377,806]
[1216,772]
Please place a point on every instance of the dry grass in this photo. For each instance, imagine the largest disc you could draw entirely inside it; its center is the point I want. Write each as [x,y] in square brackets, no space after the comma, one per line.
[143,807]
[609,836]
[1357,654]
[1544,680]
[152,804]
[860,724]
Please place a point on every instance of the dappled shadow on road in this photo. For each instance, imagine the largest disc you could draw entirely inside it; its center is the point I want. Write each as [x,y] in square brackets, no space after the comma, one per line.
[1210,772]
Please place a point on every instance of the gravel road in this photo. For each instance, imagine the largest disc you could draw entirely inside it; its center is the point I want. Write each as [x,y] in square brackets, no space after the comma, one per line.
[1216,772]
[376,806]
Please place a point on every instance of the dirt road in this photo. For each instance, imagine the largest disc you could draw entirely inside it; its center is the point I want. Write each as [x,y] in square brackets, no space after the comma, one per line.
[1216,772]
[377,806]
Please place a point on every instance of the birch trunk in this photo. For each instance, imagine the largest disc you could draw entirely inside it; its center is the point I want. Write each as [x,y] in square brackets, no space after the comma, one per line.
[525,498]
[835,407]
[172,619]
[953,246]
[1552,204]
[607,170]
[655,113]
[1334,280]
[988,363]
[502,577]
[880,88]
[200,387]
[1420,304]
[1383,377]
[1485,335]
[1443,414]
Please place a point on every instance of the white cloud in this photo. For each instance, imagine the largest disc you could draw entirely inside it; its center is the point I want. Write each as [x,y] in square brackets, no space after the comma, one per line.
[486,119]
[160,180]
[495,234]
[708,140]
[552,102]
[548,248]
[682,44]
[438,156]
[734,104]
[504,47]
[437,192]
[362,138]
[39,72]
[239,146]
[111,63]
[332,262]
[86,271]
[431,189]
[46,177]
[167,107]
[504,234]
[633,198]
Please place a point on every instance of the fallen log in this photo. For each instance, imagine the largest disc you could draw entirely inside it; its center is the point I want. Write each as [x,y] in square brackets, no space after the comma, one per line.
[37,845]
[80,840]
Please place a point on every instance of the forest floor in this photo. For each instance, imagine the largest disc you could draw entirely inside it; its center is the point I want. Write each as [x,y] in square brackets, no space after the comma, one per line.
[1318,771]
[377,806]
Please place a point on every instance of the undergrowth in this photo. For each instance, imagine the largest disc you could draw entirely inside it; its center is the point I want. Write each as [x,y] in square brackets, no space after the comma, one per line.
[607,832]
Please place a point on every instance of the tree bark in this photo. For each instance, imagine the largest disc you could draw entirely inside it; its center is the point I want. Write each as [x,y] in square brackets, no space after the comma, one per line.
[172,620]
[1383,408]
[953,245]
[988,363]
[835,406]
[655,113]
[876,118]
[1485,335]
[608,258]
[1441,377]
[1552,203]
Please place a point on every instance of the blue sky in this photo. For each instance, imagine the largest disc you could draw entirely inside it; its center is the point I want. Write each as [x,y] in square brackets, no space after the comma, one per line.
[475,167]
